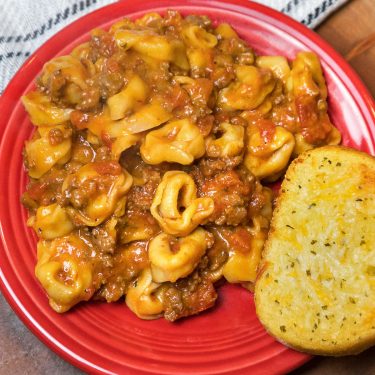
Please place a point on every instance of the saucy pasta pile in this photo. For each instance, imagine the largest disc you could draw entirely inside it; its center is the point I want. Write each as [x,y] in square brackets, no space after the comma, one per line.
[153,144]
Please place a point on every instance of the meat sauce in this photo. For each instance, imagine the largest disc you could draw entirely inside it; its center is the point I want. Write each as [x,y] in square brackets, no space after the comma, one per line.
[116,249]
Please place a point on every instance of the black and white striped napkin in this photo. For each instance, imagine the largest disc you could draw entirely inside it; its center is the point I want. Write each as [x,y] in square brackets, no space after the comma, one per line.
[26,24]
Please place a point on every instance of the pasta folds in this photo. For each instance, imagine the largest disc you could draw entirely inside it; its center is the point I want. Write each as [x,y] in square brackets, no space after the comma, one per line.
[198,37]
[147,117]
[248,91]
[154,46]
[310,92]
[59,261]
[102,128]
[200,61]
[103,200]
[123,142]
[172,258]
[333,138]
[241,267]
[268,155]
[68,67]
[246,242]
[278,64]
[225,31]
[51,222]
[133,94]
[177,190]
[178,141]
[48,150]
[142,297]
[42,111]
[230,143]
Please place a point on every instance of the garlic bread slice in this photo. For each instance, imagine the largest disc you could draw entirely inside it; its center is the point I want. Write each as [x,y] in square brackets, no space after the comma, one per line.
[315,290]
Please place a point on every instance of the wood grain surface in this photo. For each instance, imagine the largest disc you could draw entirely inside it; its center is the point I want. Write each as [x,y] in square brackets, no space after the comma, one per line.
[350,25]
[22,353]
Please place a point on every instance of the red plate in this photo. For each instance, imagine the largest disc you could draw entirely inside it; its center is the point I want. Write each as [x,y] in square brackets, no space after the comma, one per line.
[103,338]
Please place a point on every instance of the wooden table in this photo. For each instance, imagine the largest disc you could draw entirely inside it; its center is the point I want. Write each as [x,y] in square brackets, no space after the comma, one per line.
[22,353]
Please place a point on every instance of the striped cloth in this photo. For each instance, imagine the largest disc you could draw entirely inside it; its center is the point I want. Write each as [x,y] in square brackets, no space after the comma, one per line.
[26,24]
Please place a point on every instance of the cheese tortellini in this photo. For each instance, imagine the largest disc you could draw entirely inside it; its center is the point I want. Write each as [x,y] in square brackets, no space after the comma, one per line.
[153,46]
[242,267]
[278,64]
[51,221]
[199,48]
[106,184]
[310,93]
[172,258]
[135,93]
[152,141]
[242,264]
[42,111]
[64,272]
[230,143]
[177,190]
[69,68]
[249,90]
[178,141]
[267,158]
[142,297]
[52,147]
[195,36]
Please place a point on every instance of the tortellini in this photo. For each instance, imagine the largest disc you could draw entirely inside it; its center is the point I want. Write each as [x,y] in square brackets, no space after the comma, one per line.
[147,117]
[249,90]
[178,141]
[268,157]
[307,76]
[69,68]
[177,191]
[230,143]
[124,142]
[152,45]
[141,227]
[45,152]
[242,264]
[142,297]
[242,267]
[333,138]
[51,222]
[106,184]
[198,37]
[199,52]
[42,111]
[200,60]
[134,94]
[66,277]
[310,93]
[172,258]
[225,31]
[102,127]
[278,64]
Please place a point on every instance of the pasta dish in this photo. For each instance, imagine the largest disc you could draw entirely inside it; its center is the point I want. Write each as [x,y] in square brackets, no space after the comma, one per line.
[149,167]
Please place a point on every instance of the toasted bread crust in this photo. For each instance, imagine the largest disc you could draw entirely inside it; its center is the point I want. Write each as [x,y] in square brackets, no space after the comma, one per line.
[316,291]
